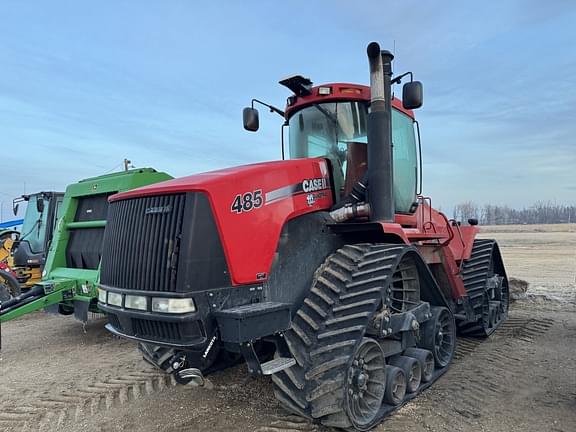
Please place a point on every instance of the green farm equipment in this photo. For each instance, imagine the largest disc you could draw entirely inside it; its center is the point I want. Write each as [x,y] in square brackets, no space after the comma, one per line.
[29,250]
[68,284]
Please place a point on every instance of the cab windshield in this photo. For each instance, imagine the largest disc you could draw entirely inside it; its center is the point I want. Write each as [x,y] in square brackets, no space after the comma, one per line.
[34,226]
[338,132]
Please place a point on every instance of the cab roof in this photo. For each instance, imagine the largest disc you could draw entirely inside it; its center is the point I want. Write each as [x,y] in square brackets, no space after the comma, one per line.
[335,92]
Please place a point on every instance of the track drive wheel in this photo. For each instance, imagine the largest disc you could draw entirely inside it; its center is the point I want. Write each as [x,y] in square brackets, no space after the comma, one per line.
[339,377]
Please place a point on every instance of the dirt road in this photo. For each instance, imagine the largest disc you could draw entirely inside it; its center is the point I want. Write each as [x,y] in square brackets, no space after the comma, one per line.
[56,377]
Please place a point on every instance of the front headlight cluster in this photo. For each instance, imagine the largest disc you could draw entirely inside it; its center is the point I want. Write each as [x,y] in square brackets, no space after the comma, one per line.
[159,304]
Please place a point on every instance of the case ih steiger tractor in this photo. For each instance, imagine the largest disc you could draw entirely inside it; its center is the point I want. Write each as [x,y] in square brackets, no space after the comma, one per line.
[327,271]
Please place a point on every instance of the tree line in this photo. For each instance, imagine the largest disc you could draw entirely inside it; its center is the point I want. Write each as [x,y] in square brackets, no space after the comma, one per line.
[538,213]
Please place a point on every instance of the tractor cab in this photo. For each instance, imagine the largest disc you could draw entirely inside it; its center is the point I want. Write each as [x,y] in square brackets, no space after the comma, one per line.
[29,251]
[330,121]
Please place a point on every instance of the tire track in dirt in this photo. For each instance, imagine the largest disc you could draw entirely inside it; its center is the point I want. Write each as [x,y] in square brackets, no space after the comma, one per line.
[480,374]
[50,413]
[476,376]
[468,388]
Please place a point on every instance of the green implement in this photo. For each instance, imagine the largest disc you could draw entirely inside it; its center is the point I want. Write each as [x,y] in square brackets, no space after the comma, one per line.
[68,284]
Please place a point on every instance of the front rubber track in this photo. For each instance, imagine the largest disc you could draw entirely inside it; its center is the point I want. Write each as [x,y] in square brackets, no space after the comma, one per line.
[347,290]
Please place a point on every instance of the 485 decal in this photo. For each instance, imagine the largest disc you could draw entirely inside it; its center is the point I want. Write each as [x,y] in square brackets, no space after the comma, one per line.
[247,201]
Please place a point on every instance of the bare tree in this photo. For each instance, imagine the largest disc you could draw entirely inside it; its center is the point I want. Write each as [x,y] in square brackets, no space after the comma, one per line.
[540,212]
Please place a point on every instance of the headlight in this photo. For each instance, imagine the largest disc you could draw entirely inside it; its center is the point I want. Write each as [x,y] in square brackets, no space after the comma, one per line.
[114,299]
[101,295]
[135,302]
[172,305]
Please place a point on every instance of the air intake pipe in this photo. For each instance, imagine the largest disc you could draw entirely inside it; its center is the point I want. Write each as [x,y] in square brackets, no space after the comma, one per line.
[380,168]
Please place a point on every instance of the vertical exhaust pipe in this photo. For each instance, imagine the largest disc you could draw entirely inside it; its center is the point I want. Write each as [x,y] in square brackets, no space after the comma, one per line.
[380,166]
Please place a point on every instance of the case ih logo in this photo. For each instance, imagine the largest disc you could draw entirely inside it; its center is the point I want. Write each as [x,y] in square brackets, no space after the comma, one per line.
[155,210]
[313,185]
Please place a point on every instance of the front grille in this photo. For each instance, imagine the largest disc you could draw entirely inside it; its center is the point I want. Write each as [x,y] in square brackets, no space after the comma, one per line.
[168,331]
[141,243]
[113,319]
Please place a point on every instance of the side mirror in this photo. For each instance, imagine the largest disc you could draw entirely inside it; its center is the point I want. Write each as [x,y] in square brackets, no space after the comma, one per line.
[412,95]
[15,209]
[250,118]
[40,205]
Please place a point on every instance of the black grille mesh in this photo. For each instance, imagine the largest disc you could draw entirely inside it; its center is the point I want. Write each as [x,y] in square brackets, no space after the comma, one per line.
[157,329]
[141,243]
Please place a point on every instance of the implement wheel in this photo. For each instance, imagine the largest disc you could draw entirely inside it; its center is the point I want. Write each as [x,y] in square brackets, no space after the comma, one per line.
[9,286]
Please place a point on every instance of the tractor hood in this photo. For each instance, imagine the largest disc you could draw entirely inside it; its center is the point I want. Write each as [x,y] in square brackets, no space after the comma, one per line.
[268,175]
[249,205]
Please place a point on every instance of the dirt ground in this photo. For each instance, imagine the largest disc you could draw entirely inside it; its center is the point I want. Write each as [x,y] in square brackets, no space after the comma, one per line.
[57,376]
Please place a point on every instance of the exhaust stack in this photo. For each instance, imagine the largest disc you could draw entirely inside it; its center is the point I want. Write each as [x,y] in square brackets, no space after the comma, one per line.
[380,167]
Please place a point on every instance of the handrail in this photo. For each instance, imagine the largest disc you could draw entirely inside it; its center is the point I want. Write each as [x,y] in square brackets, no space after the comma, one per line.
[86,224]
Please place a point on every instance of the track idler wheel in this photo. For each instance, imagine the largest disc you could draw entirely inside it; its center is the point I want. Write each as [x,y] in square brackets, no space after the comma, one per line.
[426,360]
[395,385]
[366,383]
[412,370]
[439,336]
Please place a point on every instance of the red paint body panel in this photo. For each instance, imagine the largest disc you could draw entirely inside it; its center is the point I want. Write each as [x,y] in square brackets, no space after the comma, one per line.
[250,238]
[429,225]
[340,92]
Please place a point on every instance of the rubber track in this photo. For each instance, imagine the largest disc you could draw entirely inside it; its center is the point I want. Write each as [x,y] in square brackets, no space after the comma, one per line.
[49,413]
[330,324]
[474,274]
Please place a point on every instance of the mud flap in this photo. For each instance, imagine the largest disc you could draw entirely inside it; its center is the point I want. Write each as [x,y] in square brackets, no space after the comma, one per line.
[81,310]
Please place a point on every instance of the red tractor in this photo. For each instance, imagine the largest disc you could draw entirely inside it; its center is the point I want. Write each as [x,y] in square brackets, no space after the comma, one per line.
[328,271]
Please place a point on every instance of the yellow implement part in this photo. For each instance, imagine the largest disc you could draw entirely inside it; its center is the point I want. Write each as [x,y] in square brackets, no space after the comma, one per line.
[5,248]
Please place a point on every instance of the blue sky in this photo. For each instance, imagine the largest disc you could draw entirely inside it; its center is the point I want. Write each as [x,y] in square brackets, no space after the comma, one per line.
[163,83]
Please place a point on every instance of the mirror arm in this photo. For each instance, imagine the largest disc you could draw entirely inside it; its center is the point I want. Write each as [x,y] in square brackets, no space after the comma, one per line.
[272,108]
[398,79]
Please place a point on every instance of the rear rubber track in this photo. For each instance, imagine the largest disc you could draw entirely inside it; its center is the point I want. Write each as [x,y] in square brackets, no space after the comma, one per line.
[484,263]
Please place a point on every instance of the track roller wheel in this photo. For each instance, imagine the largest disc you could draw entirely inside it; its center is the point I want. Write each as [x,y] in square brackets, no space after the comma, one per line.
[395,385]
[366,383]
[412,371]
[439,336]
[426,360]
